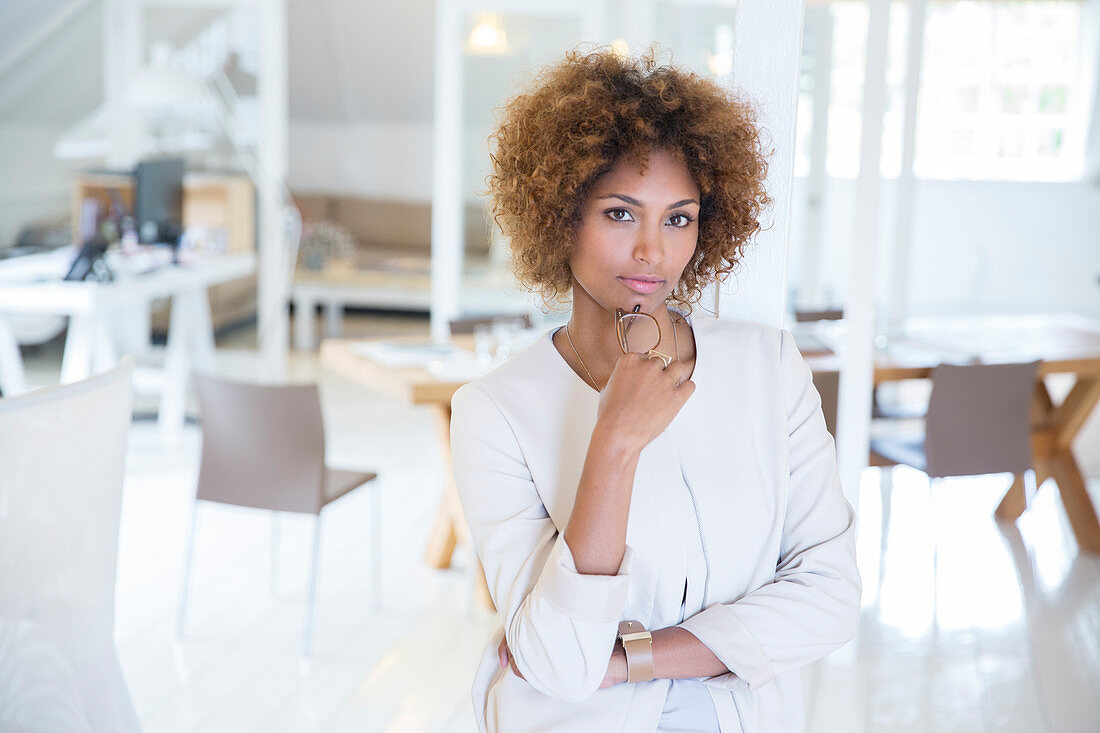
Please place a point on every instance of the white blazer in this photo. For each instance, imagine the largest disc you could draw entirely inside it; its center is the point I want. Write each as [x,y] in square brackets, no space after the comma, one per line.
[763,508]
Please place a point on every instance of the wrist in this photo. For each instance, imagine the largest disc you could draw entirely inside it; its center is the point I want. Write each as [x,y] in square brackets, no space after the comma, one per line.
[615,443]
[619,670]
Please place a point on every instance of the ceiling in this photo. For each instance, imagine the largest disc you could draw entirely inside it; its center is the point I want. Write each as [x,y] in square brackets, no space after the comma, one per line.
[341,58]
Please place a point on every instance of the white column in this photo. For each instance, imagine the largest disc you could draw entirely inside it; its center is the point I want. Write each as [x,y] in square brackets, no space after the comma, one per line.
[123,55]
[811,291]
[903,221]
[1090,84]
[767,52]
[273,277]
[13,380]
[857,352]
[448,240]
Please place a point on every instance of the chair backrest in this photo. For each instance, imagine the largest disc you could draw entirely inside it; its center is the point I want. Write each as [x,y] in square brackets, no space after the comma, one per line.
[263,446]
[466,325]
[807,316]
[979,419]
[62,459]
[828,386]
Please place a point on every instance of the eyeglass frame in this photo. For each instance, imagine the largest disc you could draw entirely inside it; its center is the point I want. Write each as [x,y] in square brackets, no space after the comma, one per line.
[620,317]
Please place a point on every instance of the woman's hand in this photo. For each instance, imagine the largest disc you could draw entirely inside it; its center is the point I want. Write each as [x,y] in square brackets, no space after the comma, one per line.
[616,666]
[506,660]
[641,398]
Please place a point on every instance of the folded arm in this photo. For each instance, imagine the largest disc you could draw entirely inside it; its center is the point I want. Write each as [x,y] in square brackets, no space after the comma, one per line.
[559,623]
[812,605]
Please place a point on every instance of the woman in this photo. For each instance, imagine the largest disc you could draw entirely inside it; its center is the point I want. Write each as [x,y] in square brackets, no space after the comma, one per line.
[690,489]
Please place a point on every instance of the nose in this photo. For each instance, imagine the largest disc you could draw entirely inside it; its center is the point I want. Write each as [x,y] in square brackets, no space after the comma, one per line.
[649,246]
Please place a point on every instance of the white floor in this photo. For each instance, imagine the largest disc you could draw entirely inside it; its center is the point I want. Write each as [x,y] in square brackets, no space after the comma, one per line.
[967,625]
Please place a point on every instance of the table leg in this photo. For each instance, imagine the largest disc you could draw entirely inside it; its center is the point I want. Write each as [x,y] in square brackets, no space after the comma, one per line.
[1075,499]
[449,521]
[1014,502]
[334,319]
[450,525]
[444,535]
[304,307]
[201,325]
[1053,430]
[13,379]
[76,363]
[104,349]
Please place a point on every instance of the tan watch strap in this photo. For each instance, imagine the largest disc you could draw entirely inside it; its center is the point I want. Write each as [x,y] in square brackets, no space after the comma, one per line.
[638,645]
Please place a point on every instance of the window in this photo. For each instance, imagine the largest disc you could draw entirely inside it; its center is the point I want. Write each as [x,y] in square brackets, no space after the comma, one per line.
[1001,93]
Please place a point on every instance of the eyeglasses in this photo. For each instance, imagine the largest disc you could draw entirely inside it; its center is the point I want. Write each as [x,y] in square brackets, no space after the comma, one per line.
[639,333]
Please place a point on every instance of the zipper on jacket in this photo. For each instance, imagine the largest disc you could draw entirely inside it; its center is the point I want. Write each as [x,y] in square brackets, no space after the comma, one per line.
[702,541]
[738,709]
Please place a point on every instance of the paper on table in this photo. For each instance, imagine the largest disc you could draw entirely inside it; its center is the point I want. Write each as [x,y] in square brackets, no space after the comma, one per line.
[405,356]
[445,362]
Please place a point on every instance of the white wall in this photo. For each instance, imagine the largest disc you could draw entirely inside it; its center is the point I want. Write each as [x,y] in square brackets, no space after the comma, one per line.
[370,159]
[383,160]
[978,246]
[33,185]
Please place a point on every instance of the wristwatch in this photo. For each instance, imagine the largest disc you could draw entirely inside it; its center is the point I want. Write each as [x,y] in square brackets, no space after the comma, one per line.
[638,645]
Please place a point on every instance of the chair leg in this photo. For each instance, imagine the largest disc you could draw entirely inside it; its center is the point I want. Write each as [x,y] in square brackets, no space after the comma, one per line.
[311,593]
[274,553]
[934,520]
[376,549]
[188,569]
[886,488]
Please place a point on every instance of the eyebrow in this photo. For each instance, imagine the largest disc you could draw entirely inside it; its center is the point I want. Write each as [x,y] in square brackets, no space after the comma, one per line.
[635,202]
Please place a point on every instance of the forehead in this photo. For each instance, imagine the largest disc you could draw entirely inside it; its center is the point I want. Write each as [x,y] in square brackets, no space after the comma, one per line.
[661,177]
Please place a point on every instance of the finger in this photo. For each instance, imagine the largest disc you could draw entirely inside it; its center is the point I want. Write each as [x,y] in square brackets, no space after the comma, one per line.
[512,664]
[502,653]
[686,390]
[678,372]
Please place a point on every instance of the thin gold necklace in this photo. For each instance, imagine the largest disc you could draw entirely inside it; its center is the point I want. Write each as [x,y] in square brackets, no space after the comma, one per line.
[675,346]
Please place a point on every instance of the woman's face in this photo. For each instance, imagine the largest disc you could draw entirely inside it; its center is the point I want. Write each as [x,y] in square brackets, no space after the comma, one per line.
[636,234]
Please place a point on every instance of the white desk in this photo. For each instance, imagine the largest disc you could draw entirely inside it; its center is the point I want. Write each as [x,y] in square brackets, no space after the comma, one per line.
[33,285]
[483,291]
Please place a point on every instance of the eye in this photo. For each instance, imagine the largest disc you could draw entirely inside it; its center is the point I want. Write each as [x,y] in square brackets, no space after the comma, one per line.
[680,220]
[619,215]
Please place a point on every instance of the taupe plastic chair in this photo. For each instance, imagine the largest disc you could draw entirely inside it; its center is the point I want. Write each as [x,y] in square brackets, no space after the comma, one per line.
[466,325]
[978,423]
[828,386]
[62,462]
[808,316]
[263,446]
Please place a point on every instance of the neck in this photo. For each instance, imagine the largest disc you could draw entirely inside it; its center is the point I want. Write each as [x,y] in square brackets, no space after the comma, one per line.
[592,328]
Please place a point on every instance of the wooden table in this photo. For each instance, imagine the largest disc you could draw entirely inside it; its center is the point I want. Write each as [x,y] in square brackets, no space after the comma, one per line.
[416,386]
[1065,345]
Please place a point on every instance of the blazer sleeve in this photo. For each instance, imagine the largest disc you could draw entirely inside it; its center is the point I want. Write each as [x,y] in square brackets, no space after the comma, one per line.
[812,606]
[560,624]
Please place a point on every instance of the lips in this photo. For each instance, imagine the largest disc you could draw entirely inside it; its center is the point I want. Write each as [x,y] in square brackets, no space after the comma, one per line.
[643,284]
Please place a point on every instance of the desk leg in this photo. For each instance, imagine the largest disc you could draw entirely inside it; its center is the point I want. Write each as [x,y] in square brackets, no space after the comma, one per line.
[13,379]
[76,363]
[450,525]
[334,319]
[173,400]
[202,329]
[104,348]
[304,307]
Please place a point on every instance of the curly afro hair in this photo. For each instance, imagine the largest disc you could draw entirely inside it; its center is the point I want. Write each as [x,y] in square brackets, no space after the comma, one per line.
[584,114]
